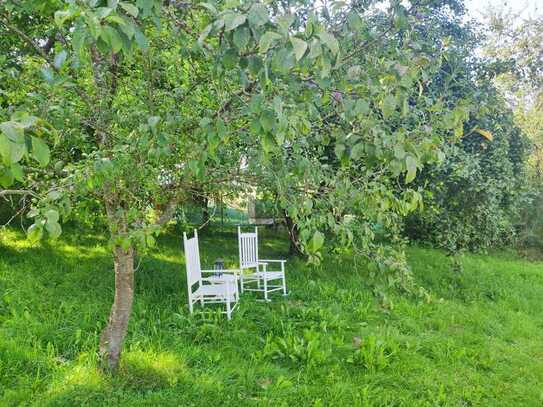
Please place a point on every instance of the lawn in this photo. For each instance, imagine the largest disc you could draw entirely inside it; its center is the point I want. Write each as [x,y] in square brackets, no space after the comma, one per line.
[331,342]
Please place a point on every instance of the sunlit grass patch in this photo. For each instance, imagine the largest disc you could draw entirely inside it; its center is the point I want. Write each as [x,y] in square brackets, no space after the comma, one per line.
[151,370]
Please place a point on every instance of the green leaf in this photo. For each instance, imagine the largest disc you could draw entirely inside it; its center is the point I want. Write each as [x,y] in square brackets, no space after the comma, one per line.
[48,75]
[128,29]
[285,21]
[78,39]
[267,39]
[283,60]
[146,7]
[399,152]
[233,21]
[103,12]
[17,152]
[6,177]
[53,228]
[53,195]
[268,143]
[150,240]
[357,151]
[267,120]
[52,215]
[299,46]
[125,243]
[24,119]
[241,37]
[129,8]
[255,64]
[315,50]
[258,15]
[204,34]
[61,16]
[141,39]
[330,41]
[111,36]
[34,232]
[400,20]
[389,106]
[317,241]
[32,213]
[17,172]
[152,121]
[230,58]
[362,107]
[209,7]
[40,151]
[339,149]
[5,149]
[14,131]
[93,26]
[10,152]
[354,21]
[59,59]
[115,19]
[411,164]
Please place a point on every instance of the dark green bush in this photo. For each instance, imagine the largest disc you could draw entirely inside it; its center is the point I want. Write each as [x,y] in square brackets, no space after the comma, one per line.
[473,200]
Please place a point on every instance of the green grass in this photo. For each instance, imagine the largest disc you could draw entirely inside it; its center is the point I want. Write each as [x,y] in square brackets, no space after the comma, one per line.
[479,341]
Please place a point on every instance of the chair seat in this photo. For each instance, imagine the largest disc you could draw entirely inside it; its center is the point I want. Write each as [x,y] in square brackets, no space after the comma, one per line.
[215,290]
[266,275]
[222,279]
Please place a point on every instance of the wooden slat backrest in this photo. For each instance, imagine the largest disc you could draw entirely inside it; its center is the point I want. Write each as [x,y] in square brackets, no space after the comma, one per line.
[248,249]
[192,259]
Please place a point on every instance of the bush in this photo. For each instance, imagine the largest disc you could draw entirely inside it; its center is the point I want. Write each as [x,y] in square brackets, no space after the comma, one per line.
[473,200]
[531,224]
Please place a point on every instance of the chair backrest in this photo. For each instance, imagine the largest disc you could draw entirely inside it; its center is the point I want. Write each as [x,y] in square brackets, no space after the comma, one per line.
[248,249]
[192,259]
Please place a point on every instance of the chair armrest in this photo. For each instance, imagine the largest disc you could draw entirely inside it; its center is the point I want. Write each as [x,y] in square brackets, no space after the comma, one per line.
[271,261]
[218,279]
[224,271]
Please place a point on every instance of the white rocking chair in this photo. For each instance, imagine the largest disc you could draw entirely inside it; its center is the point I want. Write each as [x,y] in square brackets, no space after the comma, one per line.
[248,259]
[218,288]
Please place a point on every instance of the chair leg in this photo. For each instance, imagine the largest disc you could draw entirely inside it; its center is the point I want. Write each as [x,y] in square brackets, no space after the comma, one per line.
[265,288]
[284,279]
[190,305]
[241,280]
[228,298]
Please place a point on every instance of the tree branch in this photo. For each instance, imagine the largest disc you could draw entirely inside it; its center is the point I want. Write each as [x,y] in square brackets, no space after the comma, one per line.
[42,53]
[6,192]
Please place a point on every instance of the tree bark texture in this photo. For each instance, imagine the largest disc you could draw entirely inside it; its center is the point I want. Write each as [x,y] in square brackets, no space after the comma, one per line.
[112,337]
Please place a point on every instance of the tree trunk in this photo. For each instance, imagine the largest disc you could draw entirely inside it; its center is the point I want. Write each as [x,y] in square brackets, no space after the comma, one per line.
[205,211]
[292,228]
[112,338]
